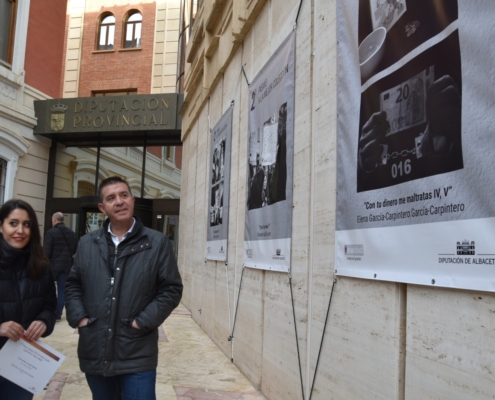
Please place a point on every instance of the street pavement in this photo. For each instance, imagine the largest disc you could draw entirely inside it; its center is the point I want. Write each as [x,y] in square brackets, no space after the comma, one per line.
[190,366]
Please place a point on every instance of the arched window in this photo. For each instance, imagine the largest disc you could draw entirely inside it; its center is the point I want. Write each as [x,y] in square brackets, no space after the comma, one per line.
[133,31]
[106,32]
[12,147]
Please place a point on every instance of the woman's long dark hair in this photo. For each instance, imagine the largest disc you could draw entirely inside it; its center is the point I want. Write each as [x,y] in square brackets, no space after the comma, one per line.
[38,261]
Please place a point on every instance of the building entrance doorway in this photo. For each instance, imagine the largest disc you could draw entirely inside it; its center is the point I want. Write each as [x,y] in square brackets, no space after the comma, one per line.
[166,220]
[92,221]
[83,216]
[153,178]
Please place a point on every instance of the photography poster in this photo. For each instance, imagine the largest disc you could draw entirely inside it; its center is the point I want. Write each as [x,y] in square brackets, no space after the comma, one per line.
[415,132]
[268,227]
[218,216]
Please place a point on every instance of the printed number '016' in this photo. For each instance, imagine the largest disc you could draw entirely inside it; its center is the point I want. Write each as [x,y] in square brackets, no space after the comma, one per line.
[401,168]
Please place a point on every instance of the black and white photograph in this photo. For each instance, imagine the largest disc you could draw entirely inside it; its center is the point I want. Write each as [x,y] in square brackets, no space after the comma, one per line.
[410,121]
[268,162]
[216,205]
[219,166]
[218,162]
[390,29]
[385,13]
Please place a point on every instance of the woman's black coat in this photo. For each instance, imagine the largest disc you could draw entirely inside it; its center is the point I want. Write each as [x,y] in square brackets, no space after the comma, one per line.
[36,300]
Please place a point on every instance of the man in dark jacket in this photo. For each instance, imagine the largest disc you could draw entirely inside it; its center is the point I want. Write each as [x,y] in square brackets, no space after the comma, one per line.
[123,285]
[59,245]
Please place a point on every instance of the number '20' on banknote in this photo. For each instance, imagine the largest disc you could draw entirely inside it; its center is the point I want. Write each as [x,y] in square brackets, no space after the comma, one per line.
[405,104]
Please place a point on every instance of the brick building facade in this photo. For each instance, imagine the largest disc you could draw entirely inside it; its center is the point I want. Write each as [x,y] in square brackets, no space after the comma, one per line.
[121,68]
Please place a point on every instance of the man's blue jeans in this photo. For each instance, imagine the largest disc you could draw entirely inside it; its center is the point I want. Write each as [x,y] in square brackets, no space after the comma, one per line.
[137,386]
[60,277]
[10,391]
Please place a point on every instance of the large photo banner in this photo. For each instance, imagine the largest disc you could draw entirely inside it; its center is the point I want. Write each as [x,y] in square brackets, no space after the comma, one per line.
[415,131]
[268,226]
[218,216]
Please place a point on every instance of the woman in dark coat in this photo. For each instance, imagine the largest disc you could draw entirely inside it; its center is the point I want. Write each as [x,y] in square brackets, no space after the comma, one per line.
[27,291]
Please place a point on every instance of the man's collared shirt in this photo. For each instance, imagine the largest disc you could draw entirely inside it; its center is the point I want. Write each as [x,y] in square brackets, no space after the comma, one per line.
[115,238]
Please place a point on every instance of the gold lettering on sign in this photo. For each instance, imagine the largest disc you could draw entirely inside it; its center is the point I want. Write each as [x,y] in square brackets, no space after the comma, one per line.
[110,120]
[99,124]
[103,113]
[155,104]
[138,104]
[161,120]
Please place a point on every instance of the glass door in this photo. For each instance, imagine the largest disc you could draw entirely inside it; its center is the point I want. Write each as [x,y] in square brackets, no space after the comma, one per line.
[169,226]
[93,221]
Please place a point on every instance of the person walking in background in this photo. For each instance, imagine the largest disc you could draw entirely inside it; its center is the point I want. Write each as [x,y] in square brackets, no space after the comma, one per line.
[27,290]
[60,245]
[123,285]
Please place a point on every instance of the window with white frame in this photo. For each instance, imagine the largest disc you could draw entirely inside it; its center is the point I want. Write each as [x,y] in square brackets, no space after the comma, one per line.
[193,10]
[8,11]
[12,147]
[106,32]
[133,31]
[169,153]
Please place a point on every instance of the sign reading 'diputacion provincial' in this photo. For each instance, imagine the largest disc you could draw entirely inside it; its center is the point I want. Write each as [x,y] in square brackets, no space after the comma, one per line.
[109,117]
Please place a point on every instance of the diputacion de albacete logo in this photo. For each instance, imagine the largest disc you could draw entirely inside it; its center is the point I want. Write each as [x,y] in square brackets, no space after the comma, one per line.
[466,248]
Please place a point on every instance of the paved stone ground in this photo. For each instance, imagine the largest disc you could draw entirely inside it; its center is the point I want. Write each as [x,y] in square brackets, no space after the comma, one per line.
[191,367]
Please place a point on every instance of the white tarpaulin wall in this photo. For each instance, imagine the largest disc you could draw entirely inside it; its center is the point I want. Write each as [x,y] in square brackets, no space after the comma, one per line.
[219,184]
[268,227]
[416,142]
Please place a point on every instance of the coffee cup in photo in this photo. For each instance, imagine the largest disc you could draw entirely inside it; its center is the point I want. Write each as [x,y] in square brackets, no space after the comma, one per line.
[371,51]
